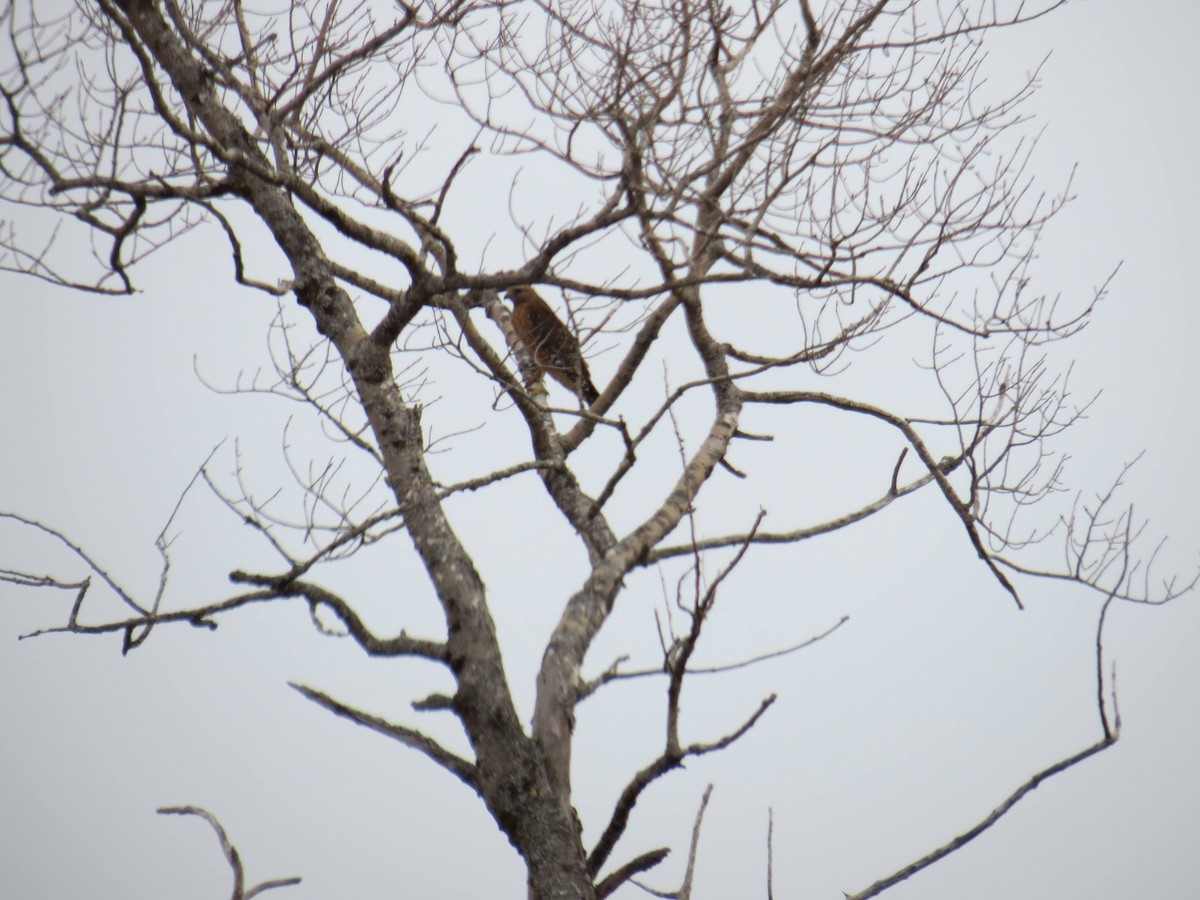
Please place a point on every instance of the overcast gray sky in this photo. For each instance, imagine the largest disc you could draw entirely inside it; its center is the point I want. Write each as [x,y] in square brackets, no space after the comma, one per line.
[889,738]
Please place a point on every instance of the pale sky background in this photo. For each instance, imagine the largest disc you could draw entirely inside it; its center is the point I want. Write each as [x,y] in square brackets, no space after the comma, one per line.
[889,738]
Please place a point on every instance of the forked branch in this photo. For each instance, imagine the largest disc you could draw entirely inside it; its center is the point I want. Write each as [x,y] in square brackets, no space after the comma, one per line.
[1111,734]
[410,737]
[240,891]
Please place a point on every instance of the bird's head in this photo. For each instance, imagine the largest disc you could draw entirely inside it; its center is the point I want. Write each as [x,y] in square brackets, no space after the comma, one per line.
[522,293]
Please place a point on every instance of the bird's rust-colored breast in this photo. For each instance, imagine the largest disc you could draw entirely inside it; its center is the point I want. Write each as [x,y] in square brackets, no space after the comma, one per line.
[552,346]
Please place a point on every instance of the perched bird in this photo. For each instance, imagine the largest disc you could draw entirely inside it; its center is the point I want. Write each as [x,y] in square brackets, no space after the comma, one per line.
[550,343]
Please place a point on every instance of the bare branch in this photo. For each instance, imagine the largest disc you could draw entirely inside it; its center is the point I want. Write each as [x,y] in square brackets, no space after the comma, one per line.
[613,673]
[95,567]
[684,892]
[643,779]
[966,837]
[770,854]
[240,891]
[465,771]
[961,509]
[1110,736]
[624,873]
[319,597]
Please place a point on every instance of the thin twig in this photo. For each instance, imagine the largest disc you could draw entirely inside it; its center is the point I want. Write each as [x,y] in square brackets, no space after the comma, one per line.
[240,892]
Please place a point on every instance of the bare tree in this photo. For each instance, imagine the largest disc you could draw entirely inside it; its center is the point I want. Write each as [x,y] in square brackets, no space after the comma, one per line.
[798,183]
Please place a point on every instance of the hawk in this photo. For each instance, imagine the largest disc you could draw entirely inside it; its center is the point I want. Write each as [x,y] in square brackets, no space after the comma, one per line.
[550,343]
